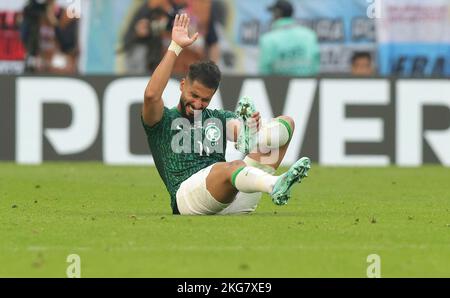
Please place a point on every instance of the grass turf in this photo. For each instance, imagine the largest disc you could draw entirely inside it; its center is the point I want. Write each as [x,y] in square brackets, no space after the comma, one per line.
[118,220]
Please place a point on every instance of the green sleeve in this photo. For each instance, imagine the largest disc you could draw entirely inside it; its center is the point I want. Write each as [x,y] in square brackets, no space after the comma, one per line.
[223,116]
[315,67]
[228,114]
[158,127]
[265,56]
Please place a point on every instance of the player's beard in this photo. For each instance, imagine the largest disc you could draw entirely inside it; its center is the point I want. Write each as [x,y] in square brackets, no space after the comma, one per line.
[183,109]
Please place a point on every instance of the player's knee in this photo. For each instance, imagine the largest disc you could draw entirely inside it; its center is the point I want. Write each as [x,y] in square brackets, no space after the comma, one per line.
[232,167]
[276,133]
[289,121]
[236,164]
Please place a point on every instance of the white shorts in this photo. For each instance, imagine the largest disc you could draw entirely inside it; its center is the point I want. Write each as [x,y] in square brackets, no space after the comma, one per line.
[194,199]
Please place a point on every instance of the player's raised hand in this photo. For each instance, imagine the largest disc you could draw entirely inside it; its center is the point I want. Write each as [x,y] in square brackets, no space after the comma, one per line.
[180,33]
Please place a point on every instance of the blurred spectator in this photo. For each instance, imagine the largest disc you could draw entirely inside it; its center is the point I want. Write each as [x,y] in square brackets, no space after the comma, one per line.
[288,49]
[143,41]
[362,64]
[67,43]
[149,34]
[225,58]
[206,46]
[50,38]
[12,52]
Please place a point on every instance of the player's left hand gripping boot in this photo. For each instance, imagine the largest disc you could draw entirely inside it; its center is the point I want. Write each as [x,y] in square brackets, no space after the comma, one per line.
[282,189]
[247,138]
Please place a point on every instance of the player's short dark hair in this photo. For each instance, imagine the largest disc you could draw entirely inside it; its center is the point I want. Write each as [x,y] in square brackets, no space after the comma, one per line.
[359,55]
[283,8]
[205,72]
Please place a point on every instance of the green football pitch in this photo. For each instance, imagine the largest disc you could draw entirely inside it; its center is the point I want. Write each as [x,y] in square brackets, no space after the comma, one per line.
[118,220]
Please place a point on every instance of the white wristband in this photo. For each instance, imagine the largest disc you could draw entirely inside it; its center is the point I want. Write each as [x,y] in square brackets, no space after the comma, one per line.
[174,47]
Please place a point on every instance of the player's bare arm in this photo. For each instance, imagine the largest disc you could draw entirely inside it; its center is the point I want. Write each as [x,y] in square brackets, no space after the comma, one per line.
[153,107]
